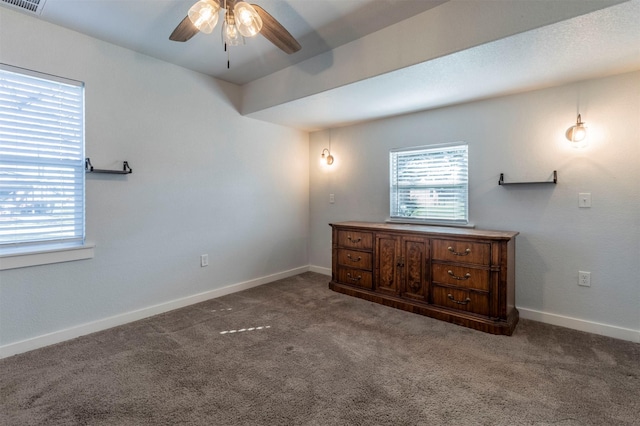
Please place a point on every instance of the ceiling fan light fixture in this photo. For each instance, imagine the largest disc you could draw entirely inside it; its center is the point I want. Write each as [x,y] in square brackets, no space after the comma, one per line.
[204,15]
[248,21]
[230,34]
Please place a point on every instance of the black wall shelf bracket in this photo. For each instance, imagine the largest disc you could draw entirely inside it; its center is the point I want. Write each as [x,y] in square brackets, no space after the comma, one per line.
[554,181]
[88,167]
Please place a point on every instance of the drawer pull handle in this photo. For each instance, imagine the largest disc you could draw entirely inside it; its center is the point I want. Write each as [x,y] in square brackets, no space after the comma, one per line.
[464,253]
[355,260]
[358,278]
[354,240]
[466,276]
[463,302]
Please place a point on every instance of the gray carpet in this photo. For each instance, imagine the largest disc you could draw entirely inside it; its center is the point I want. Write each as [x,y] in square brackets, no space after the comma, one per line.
[295,353]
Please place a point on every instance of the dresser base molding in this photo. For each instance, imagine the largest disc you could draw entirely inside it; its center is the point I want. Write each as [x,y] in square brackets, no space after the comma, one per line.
[475,322]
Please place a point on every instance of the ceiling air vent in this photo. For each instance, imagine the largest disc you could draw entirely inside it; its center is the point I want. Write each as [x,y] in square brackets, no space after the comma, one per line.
[33,6]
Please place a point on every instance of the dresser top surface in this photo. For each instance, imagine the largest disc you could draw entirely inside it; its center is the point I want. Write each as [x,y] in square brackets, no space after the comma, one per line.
[428,229]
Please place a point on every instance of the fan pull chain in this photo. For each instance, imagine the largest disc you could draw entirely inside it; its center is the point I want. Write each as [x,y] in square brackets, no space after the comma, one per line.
[225,43]
[226,49]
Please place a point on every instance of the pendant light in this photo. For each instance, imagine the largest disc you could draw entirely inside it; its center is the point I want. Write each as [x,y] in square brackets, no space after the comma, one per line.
[578,132]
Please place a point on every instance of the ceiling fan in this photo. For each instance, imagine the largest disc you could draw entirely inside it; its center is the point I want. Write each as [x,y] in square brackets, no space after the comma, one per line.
[240,20]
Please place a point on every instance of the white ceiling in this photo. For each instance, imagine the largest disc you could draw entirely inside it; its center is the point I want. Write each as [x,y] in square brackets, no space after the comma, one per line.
[597,44]
[145,25]
[594,44]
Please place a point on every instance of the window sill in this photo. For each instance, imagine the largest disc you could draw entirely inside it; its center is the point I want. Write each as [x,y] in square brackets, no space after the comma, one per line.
[429,222]
[45,257]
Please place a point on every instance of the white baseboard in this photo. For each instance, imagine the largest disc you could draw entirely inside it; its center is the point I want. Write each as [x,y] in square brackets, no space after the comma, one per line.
[554,319]
[320,270]
[105,323]
[116,320]
[581,325]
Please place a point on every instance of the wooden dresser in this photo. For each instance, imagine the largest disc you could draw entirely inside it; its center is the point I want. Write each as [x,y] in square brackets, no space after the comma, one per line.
[464,276]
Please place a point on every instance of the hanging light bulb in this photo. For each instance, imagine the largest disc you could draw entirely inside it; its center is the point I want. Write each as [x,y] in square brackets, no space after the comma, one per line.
[204,15]
[578,132]
[248,21]
[230,34]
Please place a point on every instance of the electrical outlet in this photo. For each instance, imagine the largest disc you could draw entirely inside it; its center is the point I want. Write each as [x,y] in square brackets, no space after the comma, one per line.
[332,199]
[584,279]
[204,260]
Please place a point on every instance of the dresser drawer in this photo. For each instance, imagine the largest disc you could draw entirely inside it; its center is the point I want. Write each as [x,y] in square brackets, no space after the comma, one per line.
[461,300]
[355,239]
[354,259]
[460,276]
[462,252]
[356,277]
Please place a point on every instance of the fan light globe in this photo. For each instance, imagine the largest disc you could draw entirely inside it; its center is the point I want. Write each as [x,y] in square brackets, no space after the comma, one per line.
[204,15]
[230,33]
[248,21]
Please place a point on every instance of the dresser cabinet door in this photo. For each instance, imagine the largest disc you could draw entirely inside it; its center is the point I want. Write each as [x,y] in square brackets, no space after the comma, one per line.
[402,266]
[387,263]
[414,257]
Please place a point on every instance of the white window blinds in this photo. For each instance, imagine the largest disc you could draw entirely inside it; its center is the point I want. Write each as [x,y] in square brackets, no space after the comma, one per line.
[430,183]
[41,159]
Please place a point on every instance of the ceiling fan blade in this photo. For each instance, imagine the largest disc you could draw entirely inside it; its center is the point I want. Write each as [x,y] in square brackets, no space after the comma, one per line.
[273,31]
[184,31]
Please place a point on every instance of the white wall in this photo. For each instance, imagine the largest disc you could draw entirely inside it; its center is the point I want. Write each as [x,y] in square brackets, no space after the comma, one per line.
[205,180]
[523,137]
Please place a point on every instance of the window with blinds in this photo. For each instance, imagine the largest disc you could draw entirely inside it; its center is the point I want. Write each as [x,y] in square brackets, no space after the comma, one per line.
[430,184]
[41,160]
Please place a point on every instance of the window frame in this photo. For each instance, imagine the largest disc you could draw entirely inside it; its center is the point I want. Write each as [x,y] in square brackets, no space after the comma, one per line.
[44,249]
[437,150]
